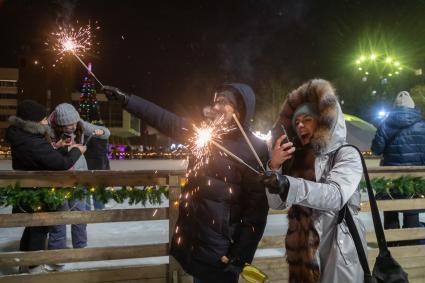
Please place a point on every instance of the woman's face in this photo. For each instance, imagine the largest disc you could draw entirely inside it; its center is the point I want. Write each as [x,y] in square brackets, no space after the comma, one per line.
[305,126]
[70,128]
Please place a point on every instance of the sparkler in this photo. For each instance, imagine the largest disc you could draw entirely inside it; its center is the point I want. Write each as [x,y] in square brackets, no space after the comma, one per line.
[234,156]
[200,142]
[207,135]
[248,142]
[74,41]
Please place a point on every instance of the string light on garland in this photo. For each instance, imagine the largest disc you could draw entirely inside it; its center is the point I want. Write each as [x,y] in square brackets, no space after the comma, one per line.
[42,199]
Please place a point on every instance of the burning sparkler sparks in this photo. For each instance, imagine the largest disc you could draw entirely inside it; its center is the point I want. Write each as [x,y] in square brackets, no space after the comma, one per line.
[69,39]
[77,41]
[205,136]
[200,142]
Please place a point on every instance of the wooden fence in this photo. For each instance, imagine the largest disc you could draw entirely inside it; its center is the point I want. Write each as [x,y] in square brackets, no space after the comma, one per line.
[412,258]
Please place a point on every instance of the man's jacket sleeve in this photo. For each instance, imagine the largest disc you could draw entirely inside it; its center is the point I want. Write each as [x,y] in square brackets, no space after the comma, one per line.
[166,122]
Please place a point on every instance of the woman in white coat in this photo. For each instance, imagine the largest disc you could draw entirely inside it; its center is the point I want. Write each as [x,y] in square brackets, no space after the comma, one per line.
[315,180]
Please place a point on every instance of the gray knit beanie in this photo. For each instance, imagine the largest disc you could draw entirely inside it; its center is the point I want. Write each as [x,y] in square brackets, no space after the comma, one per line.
[403,99]
[305,108]
[66,114]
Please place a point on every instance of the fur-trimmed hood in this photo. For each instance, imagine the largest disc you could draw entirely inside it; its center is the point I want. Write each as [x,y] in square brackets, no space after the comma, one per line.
[331,131]
[28,126]
[21,130]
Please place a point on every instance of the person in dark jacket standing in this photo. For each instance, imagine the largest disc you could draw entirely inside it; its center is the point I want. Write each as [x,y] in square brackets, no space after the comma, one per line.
[97,159]
[31,150]
[223,210]
[401,141]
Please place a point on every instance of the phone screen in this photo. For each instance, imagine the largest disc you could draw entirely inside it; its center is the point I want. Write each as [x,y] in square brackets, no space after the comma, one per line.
[66,136]
[277,131]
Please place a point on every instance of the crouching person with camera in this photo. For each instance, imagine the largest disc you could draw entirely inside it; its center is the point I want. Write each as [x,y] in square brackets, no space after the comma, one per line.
[316,179]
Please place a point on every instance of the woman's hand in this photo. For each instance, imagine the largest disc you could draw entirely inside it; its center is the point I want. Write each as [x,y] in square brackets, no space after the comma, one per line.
[62,143]
[281,153]
[98,132]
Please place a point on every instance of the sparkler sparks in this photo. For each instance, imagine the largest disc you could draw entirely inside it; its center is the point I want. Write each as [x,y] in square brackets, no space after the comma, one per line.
[200,142]
[205,136]
[68,39]
[77,41]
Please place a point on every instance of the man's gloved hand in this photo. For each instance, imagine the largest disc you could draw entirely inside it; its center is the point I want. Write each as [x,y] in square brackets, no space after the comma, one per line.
[114,93]
[276,183]
[232,264]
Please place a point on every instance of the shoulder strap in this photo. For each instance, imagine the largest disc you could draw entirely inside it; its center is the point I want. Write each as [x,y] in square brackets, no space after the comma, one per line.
[346,214]
[377,223]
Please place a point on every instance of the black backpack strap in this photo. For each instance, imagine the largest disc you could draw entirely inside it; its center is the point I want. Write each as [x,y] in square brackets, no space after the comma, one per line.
[357,241]
[346,214]
[377,223]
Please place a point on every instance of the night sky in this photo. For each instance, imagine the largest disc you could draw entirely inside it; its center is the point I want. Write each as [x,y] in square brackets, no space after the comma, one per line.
[176,52]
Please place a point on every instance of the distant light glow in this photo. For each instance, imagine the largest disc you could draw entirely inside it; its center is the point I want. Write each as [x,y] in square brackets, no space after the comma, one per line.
[382,114]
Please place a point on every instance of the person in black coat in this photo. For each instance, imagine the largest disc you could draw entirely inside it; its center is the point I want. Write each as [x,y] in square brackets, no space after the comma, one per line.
[32,150]
[223,209]
[97,159]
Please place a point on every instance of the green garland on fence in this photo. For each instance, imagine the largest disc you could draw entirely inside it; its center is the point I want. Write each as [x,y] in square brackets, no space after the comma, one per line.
[49,199]
[401,188]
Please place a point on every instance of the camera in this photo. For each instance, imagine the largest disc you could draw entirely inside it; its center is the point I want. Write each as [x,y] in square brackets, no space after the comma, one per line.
[66,136]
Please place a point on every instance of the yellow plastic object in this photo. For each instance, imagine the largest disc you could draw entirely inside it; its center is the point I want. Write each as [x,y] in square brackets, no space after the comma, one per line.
[254,275]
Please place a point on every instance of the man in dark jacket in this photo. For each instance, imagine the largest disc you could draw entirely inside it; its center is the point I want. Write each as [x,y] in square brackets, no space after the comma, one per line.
[32,150]
[401,141]
[223,210]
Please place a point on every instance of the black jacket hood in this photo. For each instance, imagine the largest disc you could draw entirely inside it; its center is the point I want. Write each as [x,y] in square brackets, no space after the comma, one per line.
[248,97]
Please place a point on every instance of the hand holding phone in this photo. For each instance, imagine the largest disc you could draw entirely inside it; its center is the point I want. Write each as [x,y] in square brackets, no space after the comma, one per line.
[283,148]
[65,140]
[278,131]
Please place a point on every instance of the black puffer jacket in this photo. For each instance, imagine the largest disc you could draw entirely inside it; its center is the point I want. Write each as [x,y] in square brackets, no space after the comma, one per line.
[97,154]
[223,210]
[32,151]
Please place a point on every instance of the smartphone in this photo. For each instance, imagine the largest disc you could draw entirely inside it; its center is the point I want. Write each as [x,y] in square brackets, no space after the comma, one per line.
[66,137]
[277,131]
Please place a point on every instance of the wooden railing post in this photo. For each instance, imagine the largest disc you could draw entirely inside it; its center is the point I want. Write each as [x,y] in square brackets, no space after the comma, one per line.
[173,197]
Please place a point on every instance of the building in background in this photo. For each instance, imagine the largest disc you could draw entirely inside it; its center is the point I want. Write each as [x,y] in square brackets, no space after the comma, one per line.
[8,97]
[122,124]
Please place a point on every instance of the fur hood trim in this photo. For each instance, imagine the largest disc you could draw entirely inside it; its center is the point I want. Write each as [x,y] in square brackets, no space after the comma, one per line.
[322,94]
[28,126]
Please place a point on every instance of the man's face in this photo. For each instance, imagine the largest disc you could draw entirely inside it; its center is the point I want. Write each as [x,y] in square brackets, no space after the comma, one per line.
[305,126]
[223,107]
